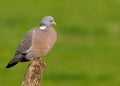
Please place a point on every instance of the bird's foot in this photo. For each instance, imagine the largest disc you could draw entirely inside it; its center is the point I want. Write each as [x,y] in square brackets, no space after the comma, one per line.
[33,61]
[43,63]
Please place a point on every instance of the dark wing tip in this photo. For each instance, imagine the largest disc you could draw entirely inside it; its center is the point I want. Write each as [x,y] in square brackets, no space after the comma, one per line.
[14,61]
[11,65]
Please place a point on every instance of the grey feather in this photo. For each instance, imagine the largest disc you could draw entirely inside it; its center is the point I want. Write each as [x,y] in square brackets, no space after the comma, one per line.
[47,21]
[20,53]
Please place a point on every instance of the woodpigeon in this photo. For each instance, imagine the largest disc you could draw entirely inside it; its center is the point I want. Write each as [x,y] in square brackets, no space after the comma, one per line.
[36,43]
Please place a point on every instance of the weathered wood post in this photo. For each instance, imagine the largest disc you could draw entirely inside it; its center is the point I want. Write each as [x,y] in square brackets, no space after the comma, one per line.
[34,74]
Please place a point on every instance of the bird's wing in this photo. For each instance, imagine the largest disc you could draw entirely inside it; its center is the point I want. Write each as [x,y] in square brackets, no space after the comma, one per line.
[22,49]
[25,45]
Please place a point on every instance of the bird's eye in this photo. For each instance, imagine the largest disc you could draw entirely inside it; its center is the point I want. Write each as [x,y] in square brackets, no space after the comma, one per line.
[51,20]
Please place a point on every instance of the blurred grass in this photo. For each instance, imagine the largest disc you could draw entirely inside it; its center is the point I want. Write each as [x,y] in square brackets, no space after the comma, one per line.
[88,45]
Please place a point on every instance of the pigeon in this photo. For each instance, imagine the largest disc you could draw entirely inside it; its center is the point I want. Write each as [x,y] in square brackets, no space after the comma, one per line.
[36,43]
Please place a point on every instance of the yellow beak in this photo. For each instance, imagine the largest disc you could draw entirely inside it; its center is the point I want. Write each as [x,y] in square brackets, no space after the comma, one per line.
[54,23]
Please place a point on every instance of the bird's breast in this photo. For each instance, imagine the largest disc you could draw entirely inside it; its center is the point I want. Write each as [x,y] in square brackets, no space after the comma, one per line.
[43,41]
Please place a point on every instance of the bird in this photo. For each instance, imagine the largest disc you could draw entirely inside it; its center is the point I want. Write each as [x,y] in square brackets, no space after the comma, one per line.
[36,43]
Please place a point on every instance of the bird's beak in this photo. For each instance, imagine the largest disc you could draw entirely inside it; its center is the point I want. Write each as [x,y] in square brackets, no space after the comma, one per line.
[54,23]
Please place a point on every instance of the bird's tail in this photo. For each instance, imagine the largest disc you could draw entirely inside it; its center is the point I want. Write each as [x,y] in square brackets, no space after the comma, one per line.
[10,64]
[14,61]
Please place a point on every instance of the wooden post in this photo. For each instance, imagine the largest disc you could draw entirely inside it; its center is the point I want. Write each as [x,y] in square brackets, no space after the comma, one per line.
[34,74]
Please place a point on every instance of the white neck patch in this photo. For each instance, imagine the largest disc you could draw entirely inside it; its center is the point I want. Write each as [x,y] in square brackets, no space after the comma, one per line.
[42,27]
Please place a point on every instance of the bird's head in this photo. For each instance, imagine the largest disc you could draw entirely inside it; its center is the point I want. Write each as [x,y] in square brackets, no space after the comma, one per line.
[47,21]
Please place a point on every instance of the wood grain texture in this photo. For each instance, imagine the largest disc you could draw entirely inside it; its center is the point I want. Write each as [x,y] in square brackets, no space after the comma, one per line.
[34,74]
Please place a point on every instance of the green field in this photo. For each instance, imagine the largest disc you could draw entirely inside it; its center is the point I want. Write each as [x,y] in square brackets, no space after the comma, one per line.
[87,51]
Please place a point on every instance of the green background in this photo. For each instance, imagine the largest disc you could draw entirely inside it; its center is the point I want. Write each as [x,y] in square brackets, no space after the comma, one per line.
[87,51]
